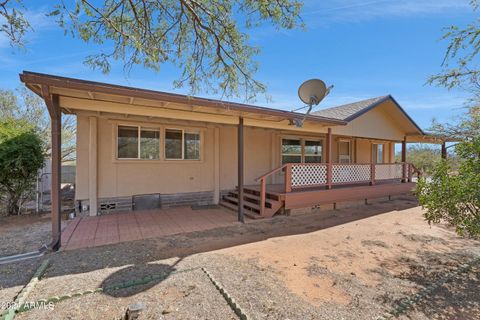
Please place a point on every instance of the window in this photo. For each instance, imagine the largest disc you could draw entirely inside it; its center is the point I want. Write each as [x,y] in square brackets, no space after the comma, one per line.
[192,146]
[138,143]
[313,151]
[344,151]
[127,142]
[377,153]
[291,151]
[182,145]
[299,150]
[149,144]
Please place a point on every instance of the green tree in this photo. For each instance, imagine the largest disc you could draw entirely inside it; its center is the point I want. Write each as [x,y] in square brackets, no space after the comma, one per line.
[207,40]
[26,106]
[454,195]
[455,198]
[21,156]
[460,68]
[423,157]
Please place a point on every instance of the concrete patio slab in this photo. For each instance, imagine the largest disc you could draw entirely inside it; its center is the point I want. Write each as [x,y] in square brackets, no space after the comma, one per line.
[85,232]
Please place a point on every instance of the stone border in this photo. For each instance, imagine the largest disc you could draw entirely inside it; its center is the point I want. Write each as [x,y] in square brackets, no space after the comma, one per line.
[231,302]
[9,314]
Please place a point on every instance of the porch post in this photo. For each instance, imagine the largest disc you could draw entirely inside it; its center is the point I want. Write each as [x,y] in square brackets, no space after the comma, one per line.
[216,174]
[444,150]
[56,135]
[404,159]
[329,158]
[240,142]
[92,167]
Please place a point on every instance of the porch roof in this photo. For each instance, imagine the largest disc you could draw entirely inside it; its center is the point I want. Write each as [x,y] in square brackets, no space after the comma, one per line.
[76,94]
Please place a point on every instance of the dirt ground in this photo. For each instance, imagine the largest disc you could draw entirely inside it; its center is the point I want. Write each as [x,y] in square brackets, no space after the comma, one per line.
[352,263]
[24,233]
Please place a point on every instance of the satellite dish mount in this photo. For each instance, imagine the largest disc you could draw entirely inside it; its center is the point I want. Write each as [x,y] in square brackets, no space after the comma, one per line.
[311,92]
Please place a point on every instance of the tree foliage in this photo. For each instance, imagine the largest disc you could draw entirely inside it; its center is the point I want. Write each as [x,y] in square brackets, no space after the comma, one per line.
[21,156]
[453,195]
[25,106]
[423,157]
[462,51]
[207,39]
[455,198]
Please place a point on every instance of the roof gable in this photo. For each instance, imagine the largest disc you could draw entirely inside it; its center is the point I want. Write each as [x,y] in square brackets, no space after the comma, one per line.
[351,111]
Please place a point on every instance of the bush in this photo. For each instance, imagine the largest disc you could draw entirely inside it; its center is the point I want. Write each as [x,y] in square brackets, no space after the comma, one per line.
[455,197]
[21,156]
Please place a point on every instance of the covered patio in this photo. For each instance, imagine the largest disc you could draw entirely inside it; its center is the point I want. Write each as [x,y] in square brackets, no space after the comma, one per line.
[84,232]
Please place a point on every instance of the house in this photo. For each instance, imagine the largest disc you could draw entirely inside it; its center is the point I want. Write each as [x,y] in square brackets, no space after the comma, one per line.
[140,148]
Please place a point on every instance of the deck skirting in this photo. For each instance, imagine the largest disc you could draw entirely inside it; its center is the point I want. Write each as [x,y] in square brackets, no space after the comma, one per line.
[295,200]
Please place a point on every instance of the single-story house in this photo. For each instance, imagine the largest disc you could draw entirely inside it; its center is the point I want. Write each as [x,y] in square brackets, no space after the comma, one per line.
[141,148]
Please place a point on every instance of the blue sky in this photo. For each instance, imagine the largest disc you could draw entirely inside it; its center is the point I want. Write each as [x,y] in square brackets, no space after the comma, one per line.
[366,48]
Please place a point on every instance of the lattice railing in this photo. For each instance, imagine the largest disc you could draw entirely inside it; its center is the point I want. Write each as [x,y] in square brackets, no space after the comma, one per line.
[308,175]
[388,171]
[345,173]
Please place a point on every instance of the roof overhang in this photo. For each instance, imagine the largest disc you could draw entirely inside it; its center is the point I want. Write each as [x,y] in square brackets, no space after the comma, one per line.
[77,94]
[431,138]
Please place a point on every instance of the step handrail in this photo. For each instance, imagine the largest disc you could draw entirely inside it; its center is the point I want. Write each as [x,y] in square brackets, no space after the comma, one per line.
[263,183]
[269,173]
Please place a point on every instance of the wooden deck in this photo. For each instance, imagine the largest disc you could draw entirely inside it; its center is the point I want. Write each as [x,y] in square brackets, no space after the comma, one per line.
[277,198]
[279,189]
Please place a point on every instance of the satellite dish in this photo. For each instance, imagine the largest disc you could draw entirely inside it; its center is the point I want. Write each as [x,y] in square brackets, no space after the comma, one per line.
[311,92]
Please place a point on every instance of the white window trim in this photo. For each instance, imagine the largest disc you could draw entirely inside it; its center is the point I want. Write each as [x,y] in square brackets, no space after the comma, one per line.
[349,141]
[183,144]
[139,132]
[375,145]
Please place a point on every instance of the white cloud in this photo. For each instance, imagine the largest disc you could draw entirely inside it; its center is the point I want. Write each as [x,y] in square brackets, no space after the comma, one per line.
[355,11]
[451,102]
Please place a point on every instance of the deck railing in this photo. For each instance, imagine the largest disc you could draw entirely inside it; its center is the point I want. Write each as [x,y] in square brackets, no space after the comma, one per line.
[313,175]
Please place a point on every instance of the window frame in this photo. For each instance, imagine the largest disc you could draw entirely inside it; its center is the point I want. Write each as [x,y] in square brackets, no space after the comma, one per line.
[183,130]
[302,148]
[139,142]
[349,141]
[305,155]
[375,152]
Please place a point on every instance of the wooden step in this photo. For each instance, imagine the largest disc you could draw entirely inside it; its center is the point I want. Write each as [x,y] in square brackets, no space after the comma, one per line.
[247,204]
[248,213]
[269,195]
[272,202]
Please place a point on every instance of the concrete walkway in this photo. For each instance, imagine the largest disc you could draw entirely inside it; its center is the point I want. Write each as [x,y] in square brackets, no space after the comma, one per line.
[83,232]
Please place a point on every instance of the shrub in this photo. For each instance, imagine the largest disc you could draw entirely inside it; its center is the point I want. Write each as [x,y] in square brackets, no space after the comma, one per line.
[455,197]
[21,156]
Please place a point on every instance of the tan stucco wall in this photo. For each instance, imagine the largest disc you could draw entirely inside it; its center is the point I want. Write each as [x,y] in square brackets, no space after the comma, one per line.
[364,148]
[375,124]
[117,178]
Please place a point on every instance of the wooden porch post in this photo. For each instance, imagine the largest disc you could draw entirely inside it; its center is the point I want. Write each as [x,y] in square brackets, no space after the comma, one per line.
[404,159]
[329,158]
[444,150]
[56,132]
[240,143]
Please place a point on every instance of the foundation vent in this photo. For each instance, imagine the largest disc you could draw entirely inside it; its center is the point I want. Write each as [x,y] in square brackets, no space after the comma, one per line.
[112,205]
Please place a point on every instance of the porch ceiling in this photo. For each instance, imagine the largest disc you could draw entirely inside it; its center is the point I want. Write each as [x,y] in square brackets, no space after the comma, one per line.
[76,94]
